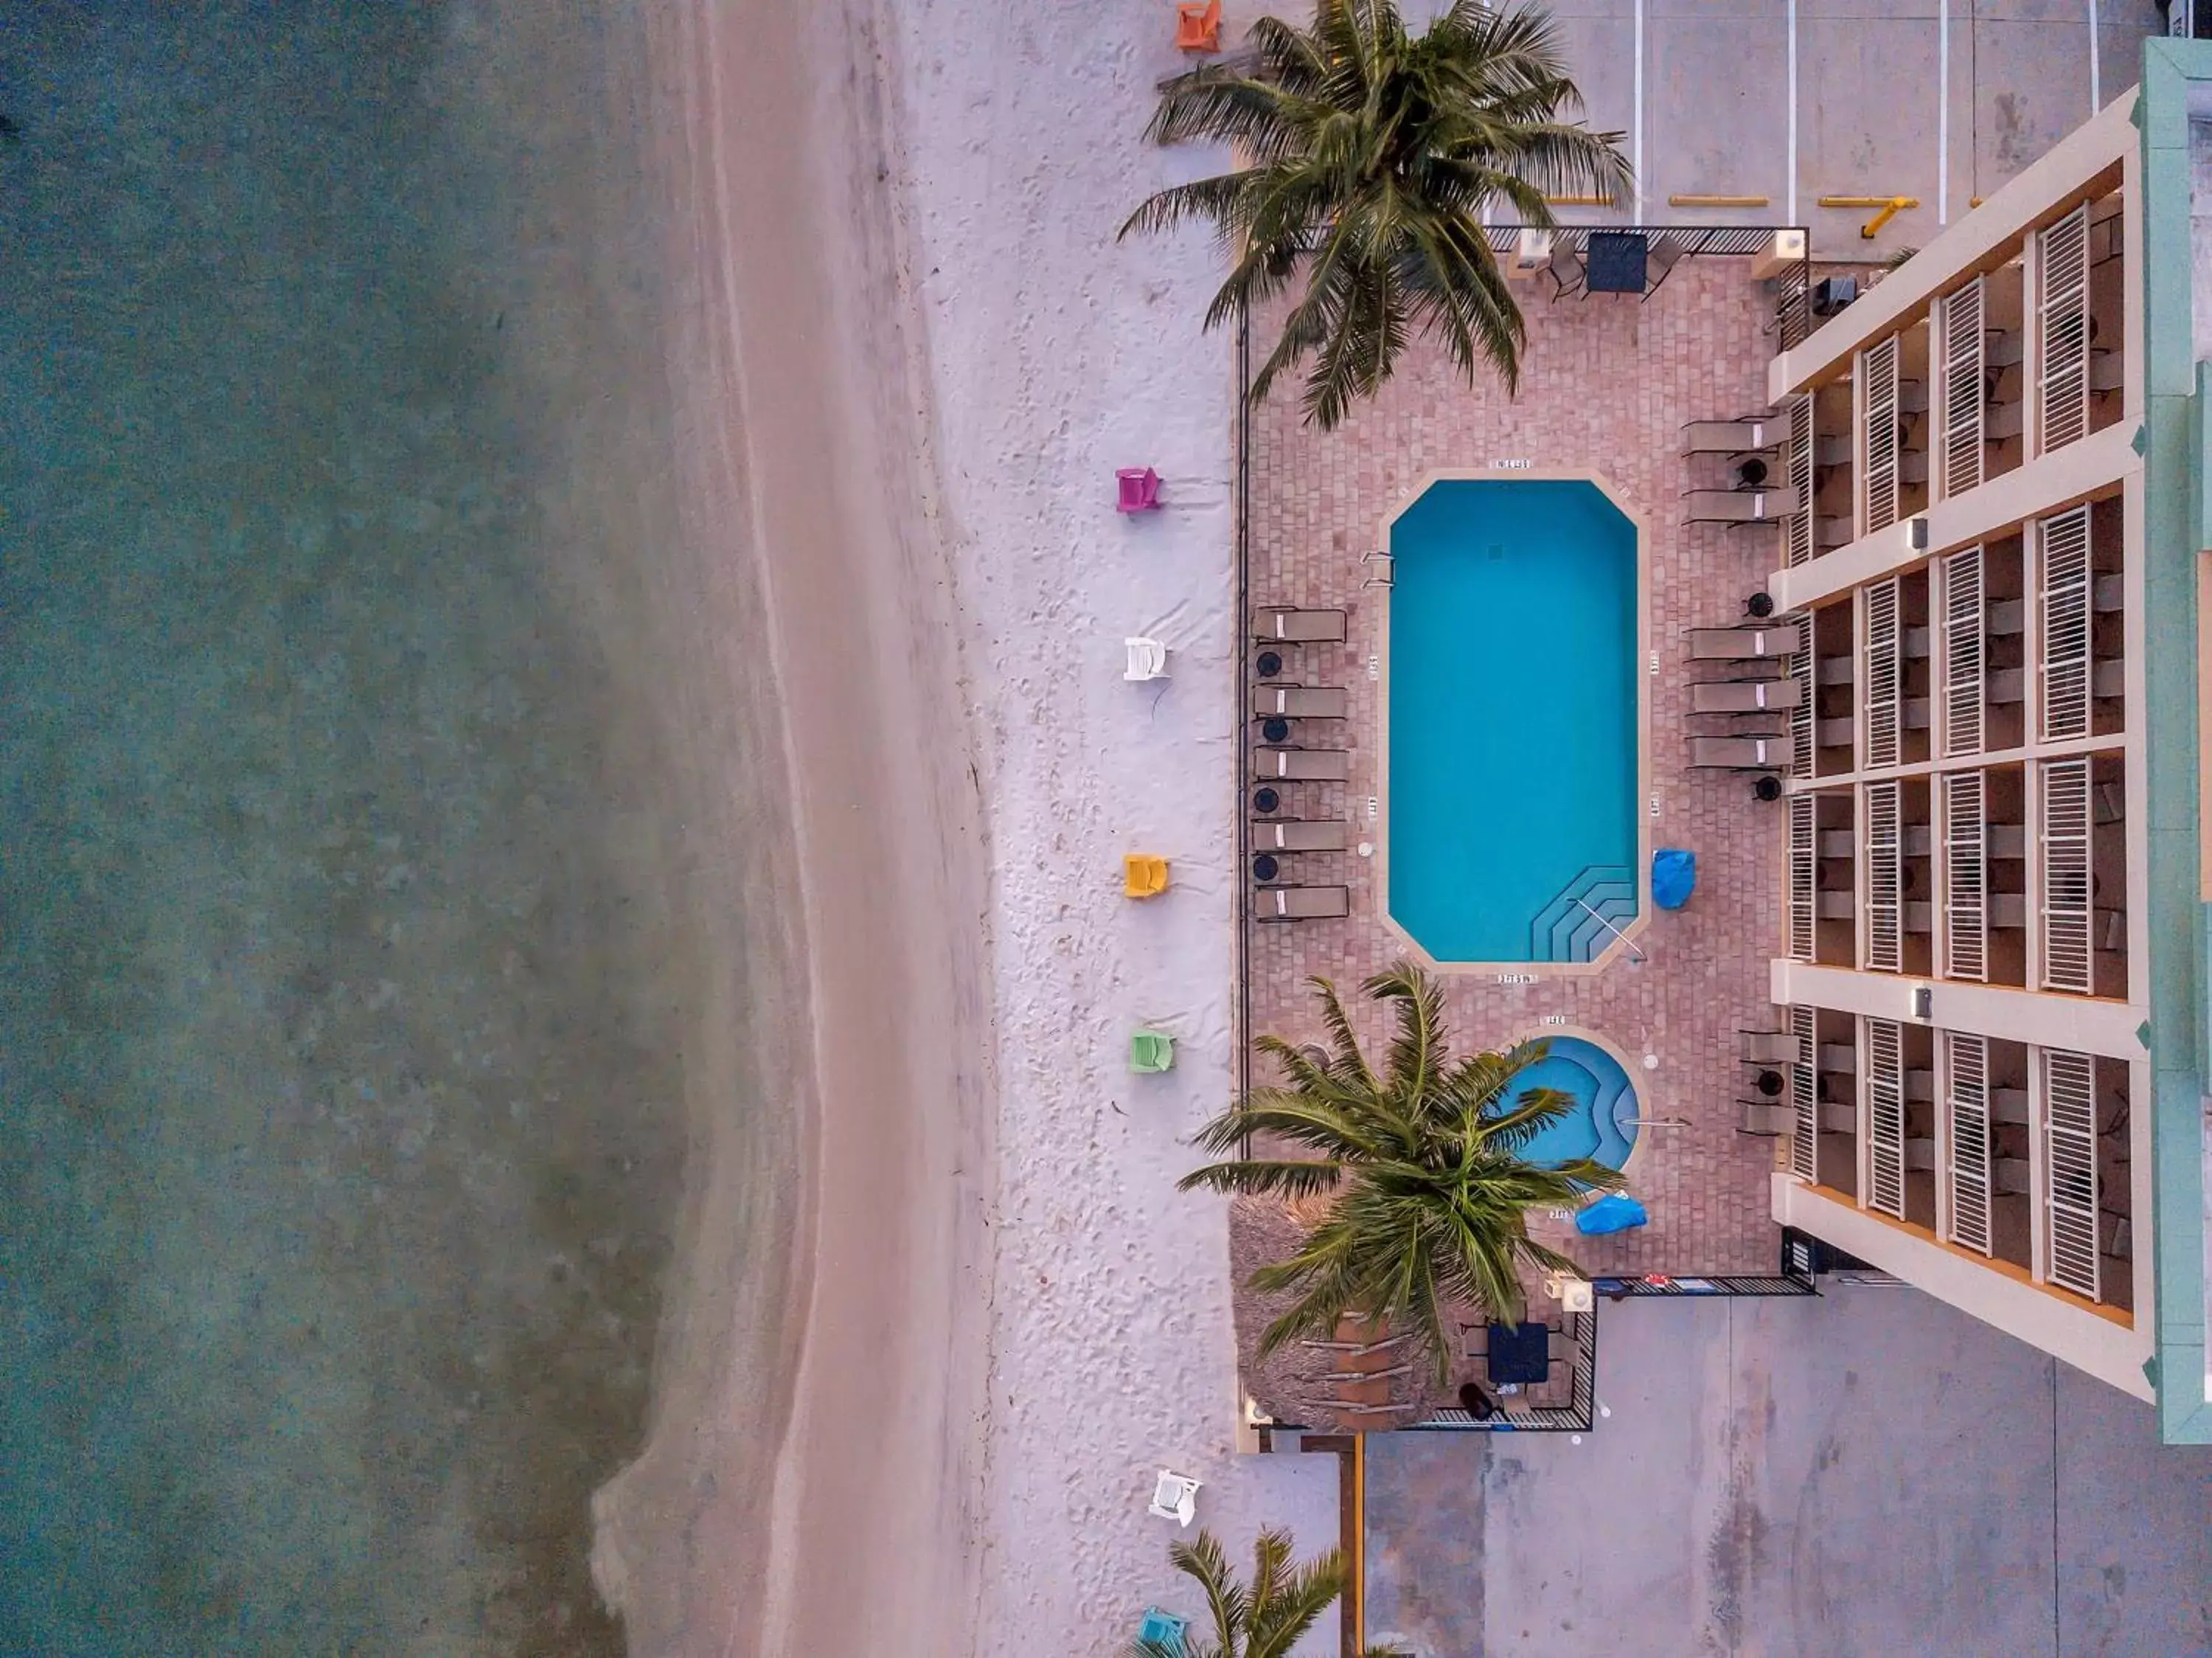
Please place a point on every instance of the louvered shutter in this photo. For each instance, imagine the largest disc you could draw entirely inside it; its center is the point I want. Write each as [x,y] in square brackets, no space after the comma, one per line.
[1801,872]
[1878,401]
[1885,1094]
[2062,630]
[1797,528]
[2064,838]
[1964,661]
[1960,362]
[1965,877]
[1966,1132]
[1878,665]
[1804,1100]
[1885,878]
[2069,1169]
[2062,323]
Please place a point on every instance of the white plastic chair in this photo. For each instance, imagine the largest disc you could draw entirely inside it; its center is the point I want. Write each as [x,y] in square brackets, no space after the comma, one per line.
[1148,660]
[1176,1498]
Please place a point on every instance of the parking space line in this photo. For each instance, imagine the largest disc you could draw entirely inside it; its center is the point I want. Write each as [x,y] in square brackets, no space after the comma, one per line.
[1793,114]
[2096,102]
[1638,138]
[1943,112]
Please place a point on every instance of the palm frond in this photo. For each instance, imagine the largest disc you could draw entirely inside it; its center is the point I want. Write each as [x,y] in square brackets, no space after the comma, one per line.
[1368,159]
[1253,1176]
[1204,1563]
[1298,1605]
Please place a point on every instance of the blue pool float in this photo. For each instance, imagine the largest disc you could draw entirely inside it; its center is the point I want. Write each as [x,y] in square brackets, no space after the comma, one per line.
[1673,877]
[1614,1212]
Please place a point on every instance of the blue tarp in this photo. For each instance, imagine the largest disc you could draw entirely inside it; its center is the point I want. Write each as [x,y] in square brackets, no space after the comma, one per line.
[1612,1213]
[1674,876]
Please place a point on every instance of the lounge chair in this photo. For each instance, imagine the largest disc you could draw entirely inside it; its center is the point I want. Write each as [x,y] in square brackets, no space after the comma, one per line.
[1740,753]
[1297,835]
[1740,506]
[1725,645]
[1136,489]
[1762,1119]
[1301,702]
[1322,627]
[1174,1497]
[1732,436]
[1148,660]
[1301,765]
[1302,902]
[1765,1047]
[1744,696]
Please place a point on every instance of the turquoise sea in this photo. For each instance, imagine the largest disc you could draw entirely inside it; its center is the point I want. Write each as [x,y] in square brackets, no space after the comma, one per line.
[354,893]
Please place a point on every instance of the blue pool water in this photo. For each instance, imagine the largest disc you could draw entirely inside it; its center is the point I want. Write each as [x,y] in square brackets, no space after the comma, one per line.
[1513,720]
[1603,1123]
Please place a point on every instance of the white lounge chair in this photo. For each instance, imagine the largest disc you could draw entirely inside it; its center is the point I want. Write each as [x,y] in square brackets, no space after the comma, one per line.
[1301,765]
[1302,903]
[1174,1497]
[1733,644]
[1304,701]
[1288,623]
[1299,835]
[1148,660]
[1740,506]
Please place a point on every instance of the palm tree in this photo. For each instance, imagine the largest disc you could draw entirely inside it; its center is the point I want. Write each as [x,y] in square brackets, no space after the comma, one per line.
[1429,1196]
[1266,1619]
[1371,156]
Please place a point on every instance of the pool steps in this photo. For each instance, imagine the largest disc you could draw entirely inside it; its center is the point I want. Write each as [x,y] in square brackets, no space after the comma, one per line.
[1574,926]
[1605,1110]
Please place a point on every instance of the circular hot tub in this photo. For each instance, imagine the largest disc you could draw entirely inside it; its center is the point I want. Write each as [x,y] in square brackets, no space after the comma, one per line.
[1603,1125]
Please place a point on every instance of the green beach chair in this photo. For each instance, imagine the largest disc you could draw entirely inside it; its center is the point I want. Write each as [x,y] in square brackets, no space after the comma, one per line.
[1150,1052]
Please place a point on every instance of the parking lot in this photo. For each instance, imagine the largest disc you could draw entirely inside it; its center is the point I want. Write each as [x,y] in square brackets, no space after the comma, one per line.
[1790,100]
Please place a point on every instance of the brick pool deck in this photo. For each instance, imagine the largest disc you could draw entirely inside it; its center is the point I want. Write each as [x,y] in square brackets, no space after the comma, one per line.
[1607,383]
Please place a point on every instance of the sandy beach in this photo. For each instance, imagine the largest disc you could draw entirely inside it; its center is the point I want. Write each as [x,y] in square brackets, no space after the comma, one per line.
[809,1483]
[919,355]
[1057,355]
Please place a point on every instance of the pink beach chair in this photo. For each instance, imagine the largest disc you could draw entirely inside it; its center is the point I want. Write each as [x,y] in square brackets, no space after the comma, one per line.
[1137,490]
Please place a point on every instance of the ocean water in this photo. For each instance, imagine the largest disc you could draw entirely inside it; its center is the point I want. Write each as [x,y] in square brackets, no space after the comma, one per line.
[1513,693]
[361,889]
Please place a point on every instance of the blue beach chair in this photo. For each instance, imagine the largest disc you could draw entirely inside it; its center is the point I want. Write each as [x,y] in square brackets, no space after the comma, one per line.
[1160,1635]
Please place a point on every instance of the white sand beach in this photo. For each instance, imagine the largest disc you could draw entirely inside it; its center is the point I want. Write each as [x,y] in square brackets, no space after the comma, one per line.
[1056,356]
[921,357]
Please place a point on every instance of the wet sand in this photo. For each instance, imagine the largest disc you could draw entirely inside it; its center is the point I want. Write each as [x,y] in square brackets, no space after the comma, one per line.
[820,1499]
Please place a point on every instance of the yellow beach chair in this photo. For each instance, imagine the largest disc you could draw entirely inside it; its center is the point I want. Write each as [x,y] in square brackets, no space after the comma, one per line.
[1144,876]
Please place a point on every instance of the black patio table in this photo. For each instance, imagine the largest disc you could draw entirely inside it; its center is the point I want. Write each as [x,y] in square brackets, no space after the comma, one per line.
[1519,1354]
[1618,262]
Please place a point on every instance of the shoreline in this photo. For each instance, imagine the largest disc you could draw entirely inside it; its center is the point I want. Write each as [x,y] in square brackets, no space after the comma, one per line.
[729,1532]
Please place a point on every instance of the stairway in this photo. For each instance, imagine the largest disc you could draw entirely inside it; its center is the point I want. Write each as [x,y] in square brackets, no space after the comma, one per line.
[1574,926]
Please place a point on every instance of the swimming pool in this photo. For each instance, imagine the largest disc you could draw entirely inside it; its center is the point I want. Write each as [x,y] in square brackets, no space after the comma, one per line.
[1515,721]
[1602,1125]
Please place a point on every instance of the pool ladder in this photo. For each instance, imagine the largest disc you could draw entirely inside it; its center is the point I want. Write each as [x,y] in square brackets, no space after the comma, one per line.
[1386,570]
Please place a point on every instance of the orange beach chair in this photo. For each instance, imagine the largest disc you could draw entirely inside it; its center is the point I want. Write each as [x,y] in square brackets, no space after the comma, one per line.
[1198,27]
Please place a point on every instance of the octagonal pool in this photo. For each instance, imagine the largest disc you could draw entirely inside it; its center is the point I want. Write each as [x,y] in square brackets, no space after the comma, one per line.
[1515,718]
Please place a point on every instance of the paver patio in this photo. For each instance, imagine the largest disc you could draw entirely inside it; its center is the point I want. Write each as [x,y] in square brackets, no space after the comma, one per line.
[1607,383]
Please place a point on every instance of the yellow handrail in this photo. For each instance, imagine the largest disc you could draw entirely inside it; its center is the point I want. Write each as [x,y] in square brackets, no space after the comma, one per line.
[1890,206]
[1716,201]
